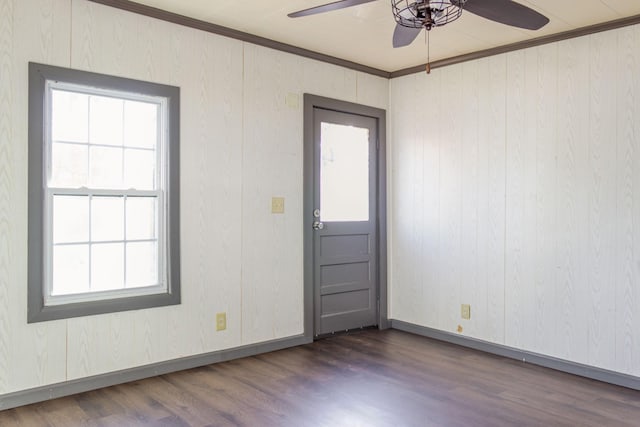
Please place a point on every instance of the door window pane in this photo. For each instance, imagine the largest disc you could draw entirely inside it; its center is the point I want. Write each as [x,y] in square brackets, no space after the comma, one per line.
[344,173]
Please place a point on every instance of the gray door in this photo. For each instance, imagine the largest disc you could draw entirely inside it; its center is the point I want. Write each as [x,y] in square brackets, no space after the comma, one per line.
[345,221]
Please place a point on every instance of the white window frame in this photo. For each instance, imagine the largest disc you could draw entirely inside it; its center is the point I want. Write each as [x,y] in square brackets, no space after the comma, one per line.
[42,305]
[161,185]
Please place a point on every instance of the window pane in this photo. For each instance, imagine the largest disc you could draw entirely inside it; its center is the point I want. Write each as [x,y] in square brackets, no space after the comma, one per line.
[70,219]
[70,269]
[141,124]
[107,266]
[107,218]
[139,169]
[69,116]
[344,173]
[141,218]
[69,168]
[105,167]
[105,126]
[142,264]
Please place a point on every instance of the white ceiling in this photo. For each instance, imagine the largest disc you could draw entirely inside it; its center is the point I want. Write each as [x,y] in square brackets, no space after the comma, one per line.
[363,33]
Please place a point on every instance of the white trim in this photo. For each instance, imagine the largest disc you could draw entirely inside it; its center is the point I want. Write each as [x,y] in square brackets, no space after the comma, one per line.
[99,192]
[109,93]
[128,147]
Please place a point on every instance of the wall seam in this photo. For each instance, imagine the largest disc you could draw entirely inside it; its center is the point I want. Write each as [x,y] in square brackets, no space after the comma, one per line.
[70,33]
[506,220]
[242,184]
[616,299]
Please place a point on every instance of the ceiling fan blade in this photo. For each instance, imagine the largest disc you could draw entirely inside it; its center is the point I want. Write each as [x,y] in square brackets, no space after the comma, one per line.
[341,4]
[507,12]
[404,36]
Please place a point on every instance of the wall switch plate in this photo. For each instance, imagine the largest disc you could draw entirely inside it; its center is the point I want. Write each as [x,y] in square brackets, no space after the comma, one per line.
[277,205]
[221,321]
[465,311]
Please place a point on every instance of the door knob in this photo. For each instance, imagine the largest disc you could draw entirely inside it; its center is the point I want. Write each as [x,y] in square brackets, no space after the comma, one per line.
[317,225]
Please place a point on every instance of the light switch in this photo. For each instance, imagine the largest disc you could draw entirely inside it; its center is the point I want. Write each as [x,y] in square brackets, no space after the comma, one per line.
[277,205]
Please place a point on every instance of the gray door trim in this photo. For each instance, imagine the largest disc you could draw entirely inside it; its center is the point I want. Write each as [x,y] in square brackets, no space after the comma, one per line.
[311,102]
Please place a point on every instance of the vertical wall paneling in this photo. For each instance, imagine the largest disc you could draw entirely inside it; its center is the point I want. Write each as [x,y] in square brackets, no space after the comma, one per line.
[628,208]
[481,310]
[497,152]
[406,122]
[573,113]
[225,157]
[415,209]
[470,115]
[427,305]
[6,183]
[34,31]
[545,129]
[491,208]
[602,198]
[516,255]
[372,90]
[270,242]
[450,203]
[329,80]
[199,187]
[522,148]
[548,177]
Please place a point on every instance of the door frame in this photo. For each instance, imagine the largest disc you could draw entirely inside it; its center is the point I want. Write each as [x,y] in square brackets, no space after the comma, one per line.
[315,101]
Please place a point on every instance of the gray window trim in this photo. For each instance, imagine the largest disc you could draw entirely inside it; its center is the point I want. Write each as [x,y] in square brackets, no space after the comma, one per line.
[39,74]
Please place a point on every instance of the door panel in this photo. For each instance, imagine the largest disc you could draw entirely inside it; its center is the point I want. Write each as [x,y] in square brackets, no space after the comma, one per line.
[345,239]
[346,245]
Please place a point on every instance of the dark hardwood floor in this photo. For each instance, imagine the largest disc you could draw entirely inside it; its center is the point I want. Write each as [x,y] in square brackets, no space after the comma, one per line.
[367,378]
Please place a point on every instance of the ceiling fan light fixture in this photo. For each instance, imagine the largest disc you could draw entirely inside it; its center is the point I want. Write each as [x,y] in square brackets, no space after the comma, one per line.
[426,13]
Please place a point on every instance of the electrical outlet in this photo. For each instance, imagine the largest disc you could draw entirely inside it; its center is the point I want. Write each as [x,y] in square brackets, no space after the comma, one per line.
[465,311]
[221,321]
[277,205]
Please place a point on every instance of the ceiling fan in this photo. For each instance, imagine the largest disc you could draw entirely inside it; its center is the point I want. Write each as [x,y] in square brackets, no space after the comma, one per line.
[413,15]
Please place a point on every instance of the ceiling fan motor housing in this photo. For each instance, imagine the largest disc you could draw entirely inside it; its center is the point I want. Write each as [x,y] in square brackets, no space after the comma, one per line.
[426,13]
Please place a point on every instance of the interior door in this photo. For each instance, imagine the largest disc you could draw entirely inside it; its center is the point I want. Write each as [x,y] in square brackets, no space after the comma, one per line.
[345,221]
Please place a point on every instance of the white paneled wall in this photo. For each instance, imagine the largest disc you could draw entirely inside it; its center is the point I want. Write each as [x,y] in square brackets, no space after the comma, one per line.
[241,144]
[29,354]
[516,189]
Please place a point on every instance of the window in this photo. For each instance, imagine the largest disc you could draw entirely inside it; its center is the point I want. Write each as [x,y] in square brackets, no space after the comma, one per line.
[103,194]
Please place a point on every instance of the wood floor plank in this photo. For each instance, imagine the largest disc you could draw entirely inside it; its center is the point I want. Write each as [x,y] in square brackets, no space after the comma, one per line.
[365,378]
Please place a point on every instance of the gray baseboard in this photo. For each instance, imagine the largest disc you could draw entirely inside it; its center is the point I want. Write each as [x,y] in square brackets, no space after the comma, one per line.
[39,394]
[586,371]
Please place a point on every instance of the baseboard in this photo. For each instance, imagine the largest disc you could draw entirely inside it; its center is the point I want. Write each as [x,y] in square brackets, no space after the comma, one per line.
[40,394]
[586,371]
